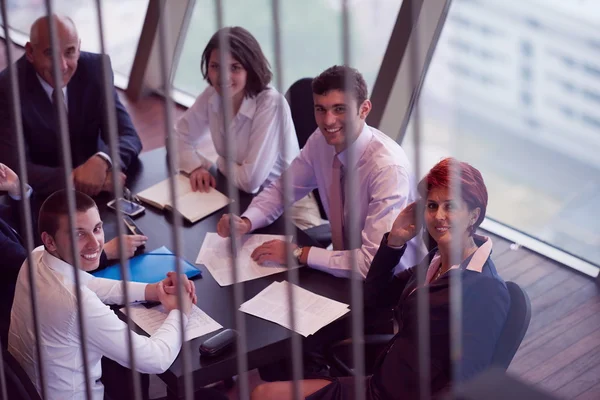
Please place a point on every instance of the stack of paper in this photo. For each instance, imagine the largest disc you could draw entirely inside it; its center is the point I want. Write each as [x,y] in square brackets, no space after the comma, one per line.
[150,319]
[312,312]
[215,254]
[192,205]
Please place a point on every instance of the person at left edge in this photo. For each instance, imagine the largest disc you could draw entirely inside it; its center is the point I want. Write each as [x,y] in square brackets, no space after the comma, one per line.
[82,90]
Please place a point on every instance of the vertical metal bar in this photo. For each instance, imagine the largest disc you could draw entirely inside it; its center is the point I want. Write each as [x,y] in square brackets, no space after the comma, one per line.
[232,192]
[17,126]
[352,226]
[456,253]
[287,197]
[111,124]
[3,391]
[172,158]
[423,325]
[61,116]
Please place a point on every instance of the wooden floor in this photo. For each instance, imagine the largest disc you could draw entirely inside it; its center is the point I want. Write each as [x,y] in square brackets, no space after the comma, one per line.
[561,351]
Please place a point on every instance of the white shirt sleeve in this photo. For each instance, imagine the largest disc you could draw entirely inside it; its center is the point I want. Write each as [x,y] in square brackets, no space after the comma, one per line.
[190,129]
[389,191]
[107,333]
[268,205]
[267,132]
[110,291]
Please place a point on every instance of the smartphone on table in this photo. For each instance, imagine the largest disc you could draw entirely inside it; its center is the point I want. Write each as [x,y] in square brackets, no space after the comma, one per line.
[127,207]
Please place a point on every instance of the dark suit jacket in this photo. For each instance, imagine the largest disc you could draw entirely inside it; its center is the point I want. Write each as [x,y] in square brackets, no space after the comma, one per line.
[86,117]
[13,254]
[485,303]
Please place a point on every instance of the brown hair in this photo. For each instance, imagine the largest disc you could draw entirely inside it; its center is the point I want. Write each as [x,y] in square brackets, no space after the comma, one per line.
[334,78]
[55,206]
[245,49]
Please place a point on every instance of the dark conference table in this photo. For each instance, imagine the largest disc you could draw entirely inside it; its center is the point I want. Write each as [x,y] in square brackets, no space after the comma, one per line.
[267,342]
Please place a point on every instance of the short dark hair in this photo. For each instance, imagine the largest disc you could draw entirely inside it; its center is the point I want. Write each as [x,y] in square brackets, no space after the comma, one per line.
[334,78]
[245,49]
[55,206]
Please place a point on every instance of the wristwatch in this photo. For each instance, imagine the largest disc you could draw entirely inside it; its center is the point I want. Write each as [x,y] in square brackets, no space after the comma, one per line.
[297,253]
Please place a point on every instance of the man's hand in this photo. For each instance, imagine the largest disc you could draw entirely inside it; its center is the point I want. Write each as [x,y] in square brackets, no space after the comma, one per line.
[170,302]
[241,226]
[131,243]
[273,251]
[91,175]
[171,282]
[202,180]
[108,183]
[9,181]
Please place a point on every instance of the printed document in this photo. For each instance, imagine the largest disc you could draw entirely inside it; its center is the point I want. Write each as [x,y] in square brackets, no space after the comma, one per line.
[150,319]
[312,312]
[215,254]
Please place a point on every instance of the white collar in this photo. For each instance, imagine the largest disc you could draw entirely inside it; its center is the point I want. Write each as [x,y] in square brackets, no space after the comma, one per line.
[478,259]
[64,269]
[247,109]
[358,147]
[49,89]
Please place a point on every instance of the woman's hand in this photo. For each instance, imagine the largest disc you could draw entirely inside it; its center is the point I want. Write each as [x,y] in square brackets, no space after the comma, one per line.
[202,180]
[404,227]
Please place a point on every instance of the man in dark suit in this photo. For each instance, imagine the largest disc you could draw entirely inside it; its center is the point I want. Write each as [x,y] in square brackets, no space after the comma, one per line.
[11,248]
[83,94]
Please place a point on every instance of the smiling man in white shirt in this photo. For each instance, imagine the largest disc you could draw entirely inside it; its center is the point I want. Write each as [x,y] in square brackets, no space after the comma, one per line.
[57,307]
[382,173]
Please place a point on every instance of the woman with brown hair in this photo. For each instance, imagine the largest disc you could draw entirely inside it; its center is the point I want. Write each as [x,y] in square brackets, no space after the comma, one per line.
[455,201]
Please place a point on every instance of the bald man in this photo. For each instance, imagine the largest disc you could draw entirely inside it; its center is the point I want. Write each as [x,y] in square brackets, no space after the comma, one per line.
[82,92]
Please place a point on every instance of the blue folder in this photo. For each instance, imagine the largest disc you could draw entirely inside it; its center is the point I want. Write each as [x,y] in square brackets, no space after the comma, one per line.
[149,267]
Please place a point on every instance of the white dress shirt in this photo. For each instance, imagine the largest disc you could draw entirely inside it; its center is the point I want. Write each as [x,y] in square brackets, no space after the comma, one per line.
[384,186]
[59,329]
[49,90]
[259,130]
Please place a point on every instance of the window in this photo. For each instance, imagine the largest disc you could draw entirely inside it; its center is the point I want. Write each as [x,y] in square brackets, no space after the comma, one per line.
[123,22]
[311,36]
[535,132]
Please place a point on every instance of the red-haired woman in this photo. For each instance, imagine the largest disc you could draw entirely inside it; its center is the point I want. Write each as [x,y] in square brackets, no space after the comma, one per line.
[455,201]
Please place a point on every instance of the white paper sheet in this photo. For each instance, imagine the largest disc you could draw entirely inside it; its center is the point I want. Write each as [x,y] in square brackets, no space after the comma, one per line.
[216,256]
[312,312]
[150,319]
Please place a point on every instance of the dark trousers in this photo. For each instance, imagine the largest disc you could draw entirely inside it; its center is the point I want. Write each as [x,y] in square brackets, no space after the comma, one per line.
[118,381]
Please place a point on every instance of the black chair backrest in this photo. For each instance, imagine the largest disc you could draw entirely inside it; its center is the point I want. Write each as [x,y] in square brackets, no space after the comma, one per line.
[18,384]
[300,98]
[515,327]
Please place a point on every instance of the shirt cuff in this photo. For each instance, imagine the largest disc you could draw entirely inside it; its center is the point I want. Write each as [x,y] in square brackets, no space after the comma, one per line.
[255,217]
[105,157]
[174,314]
[137,291]
[27,194]
[318,257]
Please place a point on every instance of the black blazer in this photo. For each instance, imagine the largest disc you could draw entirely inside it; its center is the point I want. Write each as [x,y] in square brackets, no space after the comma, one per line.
[485,303]
[86,117]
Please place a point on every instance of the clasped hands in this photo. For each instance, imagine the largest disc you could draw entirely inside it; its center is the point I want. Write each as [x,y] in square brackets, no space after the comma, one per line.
[272,251]
[94,176]
[166,292]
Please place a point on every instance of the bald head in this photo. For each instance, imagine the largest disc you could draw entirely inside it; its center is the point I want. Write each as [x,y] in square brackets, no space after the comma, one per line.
[40,30]
[39,51]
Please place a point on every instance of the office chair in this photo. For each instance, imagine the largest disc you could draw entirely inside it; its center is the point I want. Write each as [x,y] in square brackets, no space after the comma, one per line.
[515,327]
[299,97]
[18,384]
[513,332]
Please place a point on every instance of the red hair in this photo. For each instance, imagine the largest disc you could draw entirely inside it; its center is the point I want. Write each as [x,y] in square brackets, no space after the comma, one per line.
[472,187]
